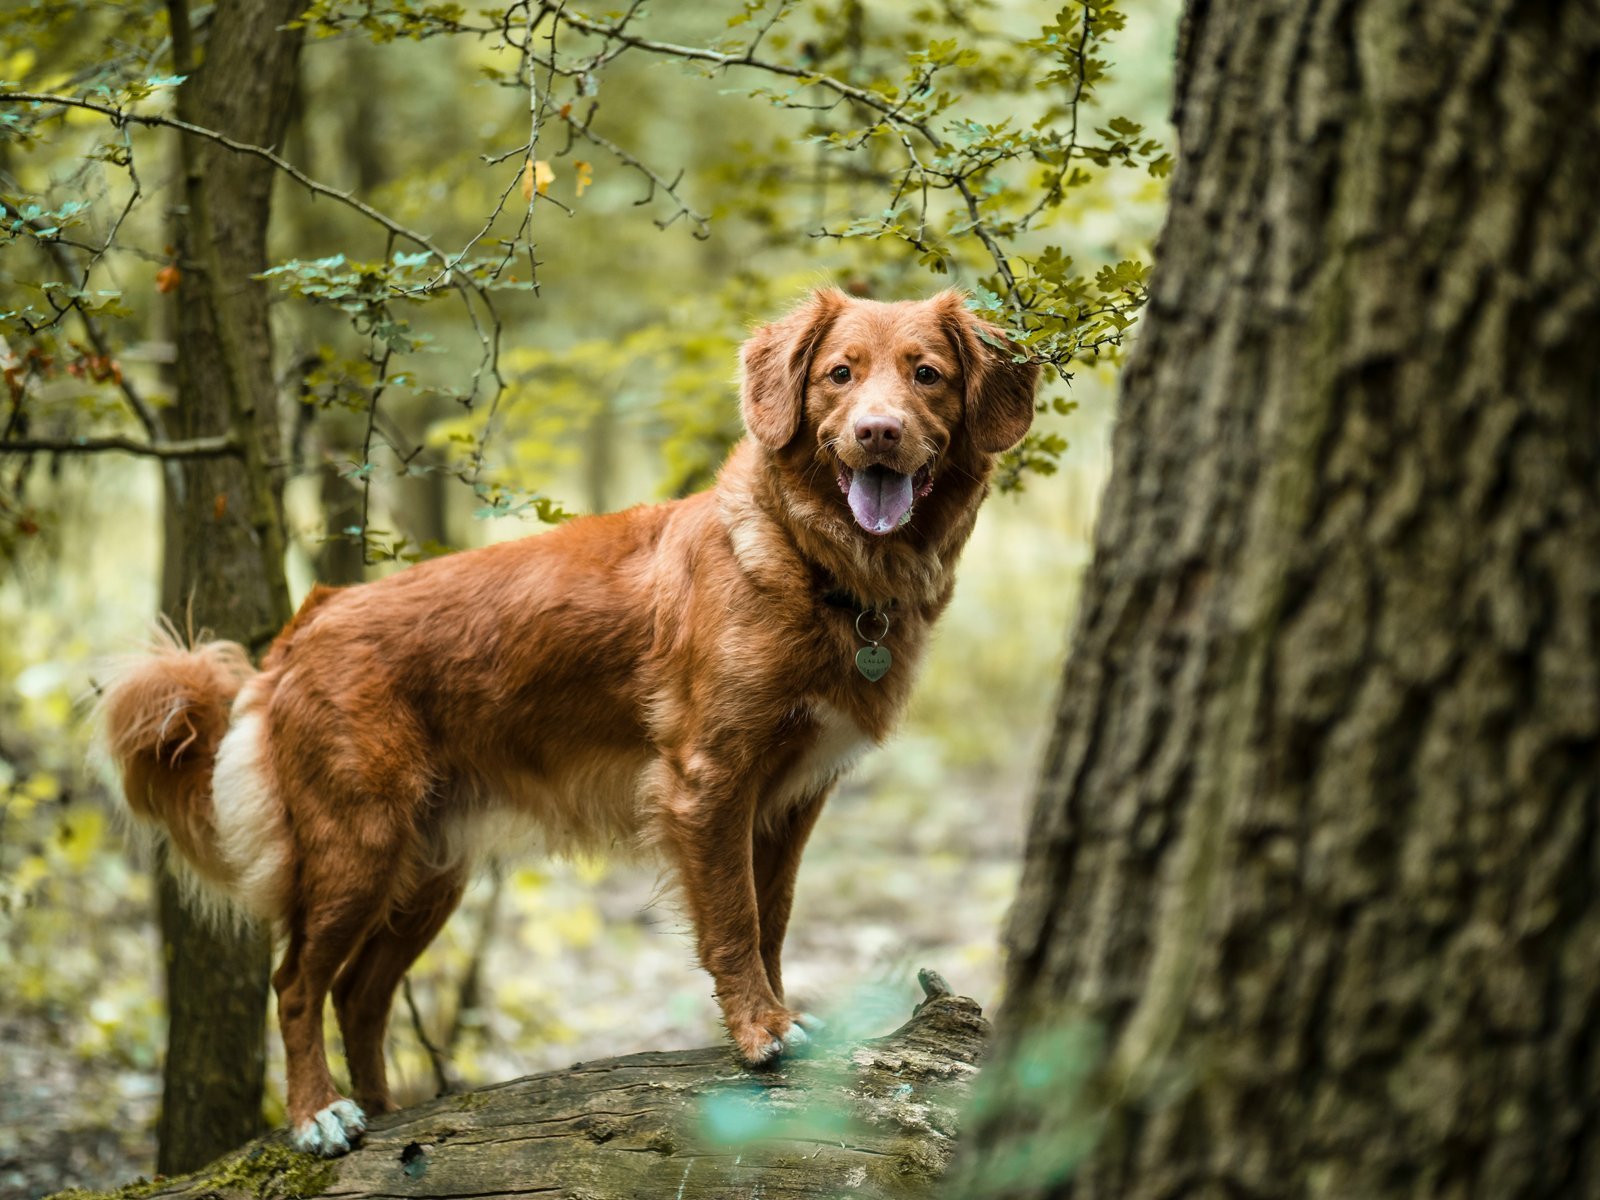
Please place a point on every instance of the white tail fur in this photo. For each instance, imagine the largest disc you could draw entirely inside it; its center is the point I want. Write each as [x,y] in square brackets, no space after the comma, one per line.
[184,725]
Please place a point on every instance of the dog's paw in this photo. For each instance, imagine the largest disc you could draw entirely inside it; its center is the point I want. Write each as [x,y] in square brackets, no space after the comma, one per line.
[332,1130]
[762,1041]
[757,1044]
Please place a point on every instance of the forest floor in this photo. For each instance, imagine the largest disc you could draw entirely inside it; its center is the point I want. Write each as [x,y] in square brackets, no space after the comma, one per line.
[590,962]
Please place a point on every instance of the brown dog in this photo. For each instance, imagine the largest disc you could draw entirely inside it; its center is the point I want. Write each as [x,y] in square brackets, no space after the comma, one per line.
[691,676]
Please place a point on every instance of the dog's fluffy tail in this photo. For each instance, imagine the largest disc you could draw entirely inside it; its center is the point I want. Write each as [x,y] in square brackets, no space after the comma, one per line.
[195,772]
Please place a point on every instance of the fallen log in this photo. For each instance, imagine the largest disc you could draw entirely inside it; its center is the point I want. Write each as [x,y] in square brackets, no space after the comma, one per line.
[869,1119]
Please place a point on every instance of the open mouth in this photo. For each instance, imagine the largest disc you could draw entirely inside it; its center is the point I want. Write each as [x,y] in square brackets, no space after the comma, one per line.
[881,499]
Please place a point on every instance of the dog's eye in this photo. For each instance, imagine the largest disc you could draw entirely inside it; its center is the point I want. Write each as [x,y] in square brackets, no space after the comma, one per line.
[840,374]
[927,375]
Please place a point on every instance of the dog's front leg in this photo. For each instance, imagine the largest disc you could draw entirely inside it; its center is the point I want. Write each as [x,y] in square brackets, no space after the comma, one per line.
[778,845]
[708,826]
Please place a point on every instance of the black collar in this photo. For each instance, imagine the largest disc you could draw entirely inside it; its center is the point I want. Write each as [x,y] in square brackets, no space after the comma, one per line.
[837,597]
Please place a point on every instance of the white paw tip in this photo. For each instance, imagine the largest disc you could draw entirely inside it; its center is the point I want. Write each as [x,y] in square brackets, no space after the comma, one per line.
[795,1037]
[811,1022]
[765,1054]
[329,1132]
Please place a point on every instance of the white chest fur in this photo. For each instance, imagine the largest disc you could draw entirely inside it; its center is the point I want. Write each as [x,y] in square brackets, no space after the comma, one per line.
[836,743]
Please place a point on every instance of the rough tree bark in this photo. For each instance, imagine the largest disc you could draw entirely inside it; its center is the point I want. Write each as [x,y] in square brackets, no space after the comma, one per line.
[223,567]
[874,1119]
[1310,887]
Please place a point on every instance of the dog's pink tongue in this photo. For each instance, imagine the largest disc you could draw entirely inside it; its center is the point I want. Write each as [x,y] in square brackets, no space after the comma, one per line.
[880,499]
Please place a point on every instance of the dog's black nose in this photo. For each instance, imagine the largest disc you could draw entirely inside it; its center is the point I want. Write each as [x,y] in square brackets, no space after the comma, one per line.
[879,434]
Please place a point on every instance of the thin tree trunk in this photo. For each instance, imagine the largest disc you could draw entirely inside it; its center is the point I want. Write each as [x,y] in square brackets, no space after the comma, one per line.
[1309,906]
[223,568]
[339,560]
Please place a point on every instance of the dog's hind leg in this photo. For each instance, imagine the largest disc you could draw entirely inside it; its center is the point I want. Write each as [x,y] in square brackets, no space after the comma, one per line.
[364,990]
[340,899]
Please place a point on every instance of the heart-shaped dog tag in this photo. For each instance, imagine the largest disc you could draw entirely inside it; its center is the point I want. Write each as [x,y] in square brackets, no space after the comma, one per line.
[873,662]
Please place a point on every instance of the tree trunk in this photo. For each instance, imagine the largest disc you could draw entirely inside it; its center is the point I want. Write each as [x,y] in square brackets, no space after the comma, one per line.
[1309,903]
[223,568]
[873,1119]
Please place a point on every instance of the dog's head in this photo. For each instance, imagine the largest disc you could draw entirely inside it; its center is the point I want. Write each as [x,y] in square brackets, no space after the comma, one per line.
[882,398]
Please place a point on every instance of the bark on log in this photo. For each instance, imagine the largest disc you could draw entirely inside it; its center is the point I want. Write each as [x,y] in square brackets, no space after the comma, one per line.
[864,1119]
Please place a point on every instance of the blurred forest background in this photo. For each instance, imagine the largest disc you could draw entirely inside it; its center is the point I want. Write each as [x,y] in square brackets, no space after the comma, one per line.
[620,378]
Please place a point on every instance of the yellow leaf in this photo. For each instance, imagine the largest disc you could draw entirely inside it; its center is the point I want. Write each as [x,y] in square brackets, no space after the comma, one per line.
[578,927]
[33,871]
[18,65]
[536,174]
[526,879]
[85,839]
[585,174]
[43,786]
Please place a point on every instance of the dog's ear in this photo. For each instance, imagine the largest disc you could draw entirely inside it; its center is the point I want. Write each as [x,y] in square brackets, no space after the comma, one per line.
[999,390]
[777,360]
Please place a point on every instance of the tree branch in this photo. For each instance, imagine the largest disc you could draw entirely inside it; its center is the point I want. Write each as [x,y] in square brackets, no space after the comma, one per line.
[201,447]
[120,116]
[461,281]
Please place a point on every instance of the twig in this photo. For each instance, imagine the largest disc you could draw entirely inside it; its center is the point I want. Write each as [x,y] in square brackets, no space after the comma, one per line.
[97,337]
[470,992]
[583,128]
[778,13]
[535,114]
[871,99]
[482,233]
[441,1065]
[1071,148]
[366,451]
[702,224]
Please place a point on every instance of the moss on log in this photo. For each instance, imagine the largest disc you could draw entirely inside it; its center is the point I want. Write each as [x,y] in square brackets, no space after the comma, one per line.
[865,1119]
